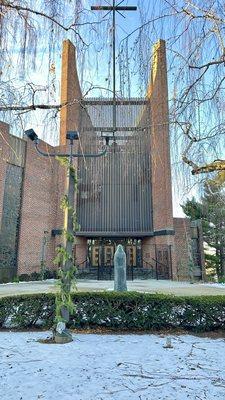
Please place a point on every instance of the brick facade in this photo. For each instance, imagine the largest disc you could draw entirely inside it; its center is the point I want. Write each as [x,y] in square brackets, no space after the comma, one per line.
[42,189]
[12,161]
[44,178]
[4,130]
[39,209]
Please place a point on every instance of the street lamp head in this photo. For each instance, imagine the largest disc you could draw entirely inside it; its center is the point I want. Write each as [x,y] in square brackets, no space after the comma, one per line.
[31,135]
[72,135]
[105,135]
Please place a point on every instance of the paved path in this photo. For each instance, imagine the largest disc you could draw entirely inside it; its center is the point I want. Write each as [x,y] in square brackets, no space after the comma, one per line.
[150,286]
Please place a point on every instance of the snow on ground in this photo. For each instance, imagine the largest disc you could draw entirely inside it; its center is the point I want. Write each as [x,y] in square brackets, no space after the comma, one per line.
[148,286]
[115,367]
[215,284]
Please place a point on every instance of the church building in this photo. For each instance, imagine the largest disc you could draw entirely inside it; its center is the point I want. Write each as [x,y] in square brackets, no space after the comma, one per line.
[123,197]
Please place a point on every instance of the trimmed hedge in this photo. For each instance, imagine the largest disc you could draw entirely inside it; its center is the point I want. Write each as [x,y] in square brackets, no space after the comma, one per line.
[37,276]
[122,311]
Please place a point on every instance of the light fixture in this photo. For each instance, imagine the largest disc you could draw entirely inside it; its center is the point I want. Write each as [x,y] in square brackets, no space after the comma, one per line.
[32,135]
[72,135]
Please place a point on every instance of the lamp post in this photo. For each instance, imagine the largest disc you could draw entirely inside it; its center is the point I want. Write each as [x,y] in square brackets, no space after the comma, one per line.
[43,250]
[68,213]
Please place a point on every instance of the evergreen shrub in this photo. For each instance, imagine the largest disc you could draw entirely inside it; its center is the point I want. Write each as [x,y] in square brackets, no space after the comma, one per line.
[119,311]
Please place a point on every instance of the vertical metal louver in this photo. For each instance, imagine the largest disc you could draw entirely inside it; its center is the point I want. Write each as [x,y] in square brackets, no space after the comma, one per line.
[114,192]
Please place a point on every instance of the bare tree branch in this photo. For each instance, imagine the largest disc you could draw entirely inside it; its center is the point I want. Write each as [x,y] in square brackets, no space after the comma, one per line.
[19,8]
[215,62]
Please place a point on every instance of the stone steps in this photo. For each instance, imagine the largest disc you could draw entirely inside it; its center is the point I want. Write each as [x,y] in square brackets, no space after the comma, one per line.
[106,273]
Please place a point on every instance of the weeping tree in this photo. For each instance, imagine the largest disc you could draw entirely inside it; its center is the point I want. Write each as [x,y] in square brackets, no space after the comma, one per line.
[31,35]
[30,40]
[194,32]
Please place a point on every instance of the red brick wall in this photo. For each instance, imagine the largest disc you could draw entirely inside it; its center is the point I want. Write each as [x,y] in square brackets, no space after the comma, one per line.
[43,187]
[39,209]
[12,151]
[149,246]
[80,251]
[4,129]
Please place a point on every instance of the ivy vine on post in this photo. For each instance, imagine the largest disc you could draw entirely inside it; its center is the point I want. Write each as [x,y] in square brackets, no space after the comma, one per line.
[64,257]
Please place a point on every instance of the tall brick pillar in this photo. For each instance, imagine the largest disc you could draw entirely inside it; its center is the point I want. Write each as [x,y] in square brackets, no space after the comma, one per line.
[160,143]
[70,116]
[157,93]
[70,92]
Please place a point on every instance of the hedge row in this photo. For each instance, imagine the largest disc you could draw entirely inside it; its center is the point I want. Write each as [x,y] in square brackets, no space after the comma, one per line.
[128,311]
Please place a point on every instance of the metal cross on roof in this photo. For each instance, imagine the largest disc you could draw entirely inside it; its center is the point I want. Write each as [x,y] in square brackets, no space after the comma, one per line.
[114,8]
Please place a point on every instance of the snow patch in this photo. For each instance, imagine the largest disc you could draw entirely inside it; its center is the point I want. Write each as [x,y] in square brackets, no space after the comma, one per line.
[111,367]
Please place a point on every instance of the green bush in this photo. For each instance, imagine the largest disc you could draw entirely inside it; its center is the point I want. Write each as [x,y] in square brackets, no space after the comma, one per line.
[49,274]
[35,276]
[122,311]
[24,278]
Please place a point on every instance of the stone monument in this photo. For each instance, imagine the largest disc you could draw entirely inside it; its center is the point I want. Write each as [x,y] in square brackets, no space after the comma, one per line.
[120,281]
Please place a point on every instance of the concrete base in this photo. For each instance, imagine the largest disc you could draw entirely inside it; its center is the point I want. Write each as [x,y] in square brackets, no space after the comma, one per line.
[64,337]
